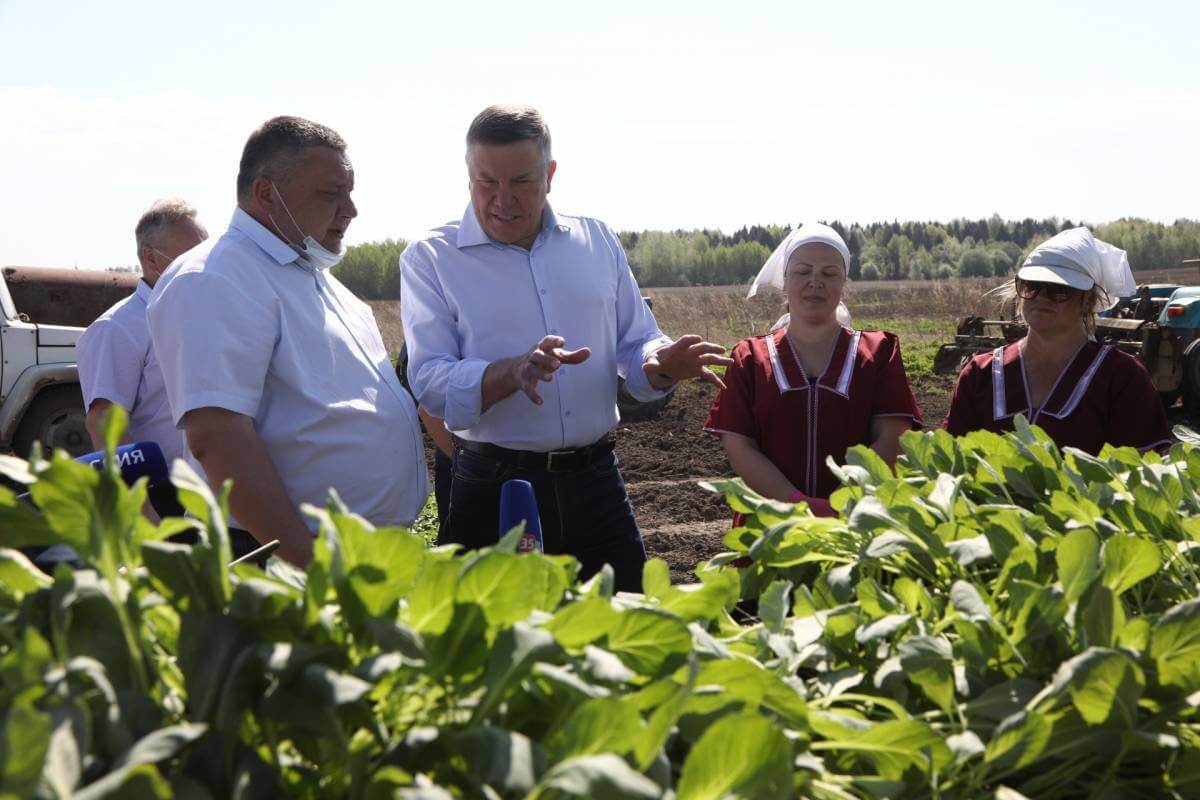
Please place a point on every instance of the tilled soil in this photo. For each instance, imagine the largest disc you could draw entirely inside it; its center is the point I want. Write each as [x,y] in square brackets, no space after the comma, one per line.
[664,459]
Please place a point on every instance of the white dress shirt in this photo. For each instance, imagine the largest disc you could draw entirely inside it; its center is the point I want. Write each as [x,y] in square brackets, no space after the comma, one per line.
[117,364]
[243,323]
[468,300]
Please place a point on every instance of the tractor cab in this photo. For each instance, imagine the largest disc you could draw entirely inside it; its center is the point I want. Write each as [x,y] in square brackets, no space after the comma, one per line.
[1182,309]
[1146,303]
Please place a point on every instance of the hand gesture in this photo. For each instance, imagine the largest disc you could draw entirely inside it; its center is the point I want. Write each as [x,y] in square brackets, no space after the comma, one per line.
[687,357]
[540,363]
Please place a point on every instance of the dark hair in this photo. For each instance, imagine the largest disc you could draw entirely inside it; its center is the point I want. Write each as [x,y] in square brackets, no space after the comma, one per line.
[508,124]
[273,148]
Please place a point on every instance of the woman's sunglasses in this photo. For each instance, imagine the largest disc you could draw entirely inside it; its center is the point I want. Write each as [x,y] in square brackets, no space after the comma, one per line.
[1055,292]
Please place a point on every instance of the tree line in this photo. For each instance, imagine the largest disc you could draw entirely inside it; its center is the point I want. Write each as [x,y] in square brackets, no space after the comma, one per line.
[878,251]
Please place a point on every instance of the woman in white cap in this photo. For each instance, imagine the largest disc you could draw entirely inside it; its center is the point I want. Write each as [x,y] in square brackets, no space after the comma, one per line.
[1082,393]
[813,387]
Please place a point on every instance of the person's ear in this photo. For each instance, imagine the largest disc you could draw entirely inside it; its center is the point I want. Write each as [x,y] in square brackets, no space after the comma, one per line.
[550,168]
[264,194]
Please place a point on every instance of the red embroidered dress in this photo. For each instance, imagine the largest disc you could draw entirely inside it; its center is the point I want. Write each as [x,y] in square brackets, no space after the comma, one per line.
[799,420]
[1103,395]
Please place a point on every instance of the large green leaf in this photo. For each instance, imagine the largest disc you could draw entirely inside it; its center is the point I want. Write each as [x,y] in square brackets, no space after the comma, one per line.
[508,586]
[892,747]
[1127,560]
[1175,647]
[583,622]
[1102,684]
[704,601]
[1078,558]
[604,775]
[646,639]
[928,661]
[512,656]
[1019,740]
[1099,618]
[599,725]
[773,605]
[505,760]
[371,569]
[26,740]
[968,601]
[743,756]
[663,719]
[431,602]
[18,574]
[134,774]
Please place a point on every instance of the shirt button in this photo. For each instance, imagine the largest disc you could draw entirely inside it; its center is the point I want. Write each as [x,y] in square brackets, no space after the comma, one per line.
[543,291]
[567,414]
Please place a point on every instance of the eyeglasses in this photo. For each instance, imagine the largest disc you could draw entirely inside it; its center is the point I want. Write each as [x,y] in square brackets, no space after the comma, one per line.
[1055,292]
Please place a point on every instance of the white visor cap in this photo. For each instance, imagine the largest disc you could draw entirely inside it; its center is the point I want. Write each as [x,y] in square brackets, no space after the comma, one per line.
[1077,259]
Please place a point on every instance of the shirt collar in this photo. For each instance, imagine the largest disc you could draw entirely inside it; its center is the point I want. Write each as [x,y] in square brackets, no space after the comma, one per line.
[275,247]
[471,233]
[143,291]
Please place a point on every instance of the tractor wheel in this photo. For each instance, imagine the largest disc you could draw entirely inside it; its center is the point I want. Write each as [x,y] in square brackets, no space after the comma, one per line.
[56,419]
[1191,378]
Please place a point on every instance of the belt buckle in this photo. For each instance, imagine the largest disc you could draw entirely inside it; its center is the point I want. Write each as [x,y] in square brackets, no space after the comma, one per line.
[550,458]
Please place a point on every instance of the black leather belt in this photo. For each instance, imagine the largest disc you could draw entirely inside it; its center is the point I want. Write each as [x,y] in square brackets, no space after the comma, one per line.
[554,461]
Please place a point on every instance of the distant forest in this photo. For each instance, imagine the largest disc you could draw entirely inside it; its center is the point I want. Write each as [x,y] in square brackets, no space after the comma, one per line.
[878,251]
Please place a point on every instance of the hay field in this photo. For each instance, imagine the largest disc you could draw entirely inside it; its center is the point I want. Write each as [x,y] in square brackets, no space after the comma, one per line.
[723,314]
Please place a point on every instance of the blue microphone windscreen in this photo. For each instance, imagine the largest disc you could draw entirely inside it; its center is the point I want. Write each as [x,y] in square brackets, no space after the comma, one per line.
[135,460]
[518,503]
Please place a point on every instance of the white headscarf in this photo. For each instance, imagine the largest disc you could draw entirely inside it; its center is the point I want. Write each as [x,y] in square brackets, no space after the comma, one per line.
[1077,259]
[772,272]
[809,233]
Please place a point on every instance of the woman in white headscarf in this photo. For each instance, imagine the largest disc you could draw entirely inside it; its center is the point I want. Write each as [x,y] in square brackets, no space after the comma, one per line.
[814,386]
[1082,393]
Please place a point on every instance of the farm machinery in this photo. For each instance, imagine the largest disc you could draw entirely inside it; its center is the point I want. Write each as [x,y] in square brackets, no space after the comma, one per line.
[1160,324]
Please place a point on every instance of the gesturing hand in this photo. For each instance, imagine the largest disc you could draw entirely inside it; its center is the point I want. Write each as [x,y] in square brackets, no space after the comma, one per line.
[687,357]
[540,363]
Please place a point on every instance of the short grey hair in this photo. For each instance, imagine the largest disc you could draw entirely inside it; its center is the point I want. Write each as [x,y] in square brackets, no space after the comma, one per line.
[161,215]
[505,124]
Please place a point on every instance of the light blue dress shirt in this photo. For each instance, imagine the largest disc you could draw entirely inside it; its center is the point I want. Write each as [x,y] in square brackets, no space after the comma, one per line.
[117,364]
[467,300]
[243,323]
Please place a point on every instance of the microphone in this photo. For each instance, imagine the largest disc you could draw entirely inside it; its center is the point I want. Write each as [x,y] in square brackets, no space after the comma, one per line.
[517,504]
[141,459]
[144,459]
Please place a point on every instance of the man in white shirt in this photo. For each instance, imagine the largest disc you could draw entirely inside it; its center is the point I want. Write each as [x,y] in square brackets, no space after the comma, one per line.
[116,362]
[490,304]
[276,372]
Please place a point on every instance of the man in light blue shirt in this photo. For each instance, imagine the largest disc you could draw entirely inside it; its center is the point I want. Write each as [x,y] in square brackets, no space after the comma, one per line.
[116,362]
[274,370]
[490,305]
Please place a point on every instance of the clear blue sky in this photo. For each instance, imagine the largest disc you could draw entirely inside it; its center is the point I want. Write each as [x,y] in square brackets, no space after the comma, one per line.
[664,115]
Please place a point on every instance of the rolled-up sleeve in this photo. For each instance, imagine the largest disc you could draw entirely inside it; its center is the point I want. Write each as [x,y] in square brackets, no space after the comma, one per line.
[638,334]
[213,343]
[444,383]
[110,364]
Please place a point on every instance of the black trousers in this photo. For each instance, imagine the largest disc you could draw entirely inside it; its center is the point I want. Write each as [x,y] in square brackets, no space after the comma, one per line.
[584,512]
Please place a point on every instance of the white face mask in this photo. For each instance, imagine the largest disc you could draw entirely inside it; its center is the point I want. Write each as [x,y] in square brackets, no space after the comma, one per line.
[310,249]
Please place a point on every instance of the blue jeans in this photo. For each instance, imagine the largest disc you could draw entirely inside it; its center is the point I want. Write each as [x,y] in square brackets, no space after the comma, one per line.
[584,513]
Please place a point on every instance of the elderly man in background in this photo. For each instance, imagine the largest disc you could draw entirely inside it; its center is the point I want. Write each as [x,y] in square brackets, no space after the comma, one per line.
[275,371]
[490,304]
[116,361]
